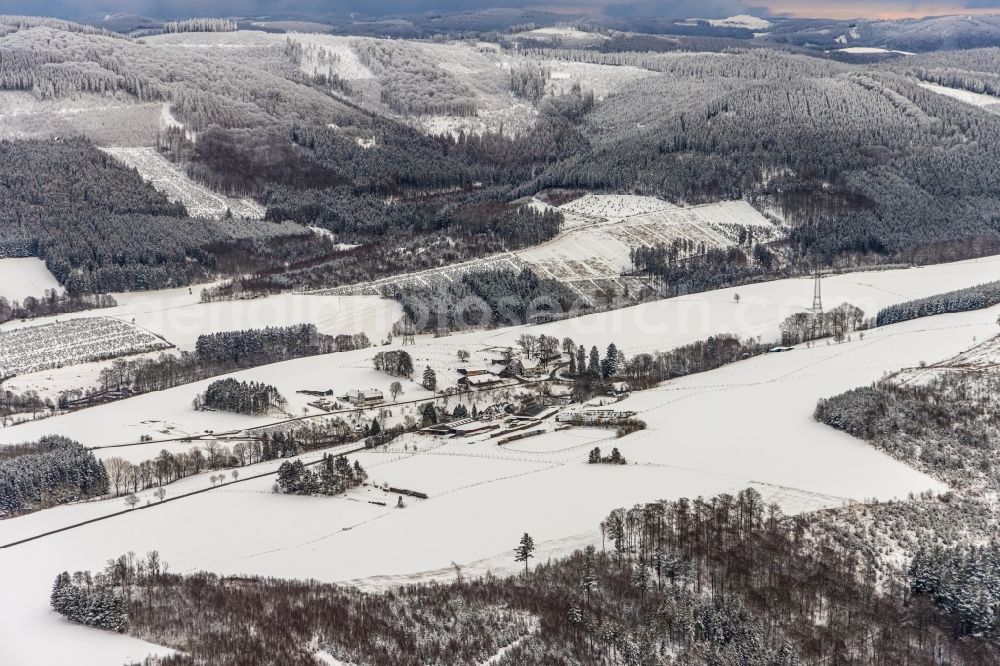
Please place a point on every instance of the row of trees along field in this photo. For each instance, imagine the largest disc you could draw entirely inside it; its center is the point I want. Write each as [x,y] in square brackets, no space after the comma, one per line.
[962,300]
[218,353]
[52,303]
[125,477]
[725,580]
[593,371]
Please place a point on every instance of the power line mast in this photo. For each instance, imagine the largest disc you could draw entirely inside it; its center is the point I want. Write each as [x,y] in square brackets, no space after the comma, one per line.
[817,307]
[408,332]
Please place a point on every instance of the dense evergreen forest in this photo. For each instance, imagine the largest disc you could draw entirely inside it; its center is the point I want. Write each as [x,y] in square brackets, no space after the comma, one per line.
[51,471]
[100,228]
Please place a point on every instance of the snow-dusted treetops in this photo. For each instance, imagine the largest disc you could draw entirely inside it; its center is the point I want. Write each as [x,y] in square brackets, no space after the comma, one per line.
[400,148]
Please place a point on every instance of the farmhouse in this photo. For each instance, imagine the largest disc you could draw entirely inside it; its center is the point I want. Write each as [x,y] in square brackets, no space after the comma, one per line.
[479,381]
[496,411]
[364,397]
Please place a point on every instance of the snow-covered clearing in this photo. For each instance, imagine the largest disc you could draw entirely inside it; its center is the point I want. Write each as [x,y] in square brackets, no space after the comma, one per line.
[871,50]
[485,496]
[80,340]
[564,34]
[167,178]
[741,21]
[605,228]
[981,100]
[593,248]
[26,276]
[330,56]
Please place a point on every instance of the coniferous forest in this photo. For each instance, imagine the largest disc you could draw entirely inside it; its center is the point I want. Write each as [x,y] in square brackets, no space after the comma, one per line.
[861,162]
[51,471]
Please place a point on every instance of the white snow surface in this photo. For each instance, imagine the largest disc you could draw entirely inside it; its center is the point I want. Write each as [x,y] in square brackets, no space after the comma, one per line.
[484,496]
[981,100]
[864,50]
[28,276]
[746,423]
[741,21]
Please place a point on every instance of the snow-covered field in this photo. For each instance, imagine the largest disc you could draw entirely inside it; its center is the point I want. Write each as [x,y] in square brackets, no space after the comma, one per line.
[564,35]
[871,50]
[26,276]
[981,100]
[650,327]
[179,316]
[483,496]
[665,324]
[167,178]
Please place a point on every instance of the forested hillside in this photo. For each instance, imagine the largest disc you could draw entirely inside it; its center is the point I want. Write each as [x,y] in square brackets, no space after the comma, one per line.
[100,228]
[861,161]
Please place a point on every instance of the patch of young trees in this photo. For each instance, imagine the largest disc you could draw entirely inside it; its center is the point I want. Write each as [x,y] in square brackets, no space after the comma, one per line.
[254,347]
[595,457]
[79,598]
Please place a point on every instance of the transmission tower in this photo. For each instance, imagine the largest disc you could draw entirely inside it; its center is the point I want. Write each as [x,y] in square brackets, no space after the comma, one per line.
[817,307]
[408,333]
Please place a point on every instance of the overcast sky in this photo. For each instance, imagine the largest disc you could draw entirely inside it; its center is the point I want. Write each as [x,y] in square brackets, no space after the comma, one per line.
[673,8]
